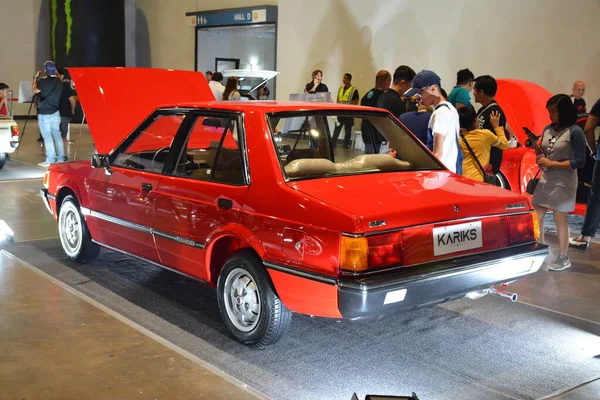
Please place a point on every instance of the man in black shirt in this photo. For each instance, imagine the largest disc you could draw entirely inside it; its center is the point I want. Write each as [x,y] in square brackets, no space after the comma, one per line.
[66,107]
[484,90]
[315,86]
[49,89]
[371,136]
[391,99]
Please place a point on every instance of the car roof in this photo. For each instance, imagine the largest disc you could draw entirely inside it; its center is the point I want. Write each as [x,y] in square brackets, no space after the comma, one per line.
[270,106]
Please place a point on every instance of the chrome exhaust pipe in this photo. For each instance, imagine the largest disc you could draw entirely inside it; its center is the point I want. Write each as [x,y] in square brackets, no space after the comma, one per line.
[498,292]
[503,293]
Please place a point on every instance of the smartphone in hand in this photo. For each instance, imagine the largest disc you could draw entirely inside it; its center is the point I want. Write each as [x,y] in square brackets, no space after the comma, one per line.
[530,134]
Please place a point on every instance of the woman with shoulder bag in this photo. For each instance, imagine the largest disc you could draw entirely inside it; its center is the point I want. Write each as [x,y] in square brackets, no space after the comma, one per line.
[561,153]
[476,144]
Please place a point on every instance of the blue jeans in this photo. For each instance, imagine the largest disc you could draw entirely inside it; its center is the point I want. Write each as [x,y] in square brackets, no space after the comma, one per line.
[50,129]
[592,214]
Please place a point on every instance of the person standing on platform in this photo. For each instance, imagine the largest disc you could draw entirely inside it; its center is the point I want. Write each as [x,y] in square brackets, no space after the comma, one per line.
[316,85]
[49,89]
[347,94]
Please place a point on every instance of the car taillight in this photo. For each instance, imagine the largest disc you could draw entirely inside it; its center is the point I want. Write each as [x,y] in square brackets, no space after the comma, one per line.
[46,179]
[354,254]
[15,131]
[386,250]
[359,254]
[522,228]
[536,225]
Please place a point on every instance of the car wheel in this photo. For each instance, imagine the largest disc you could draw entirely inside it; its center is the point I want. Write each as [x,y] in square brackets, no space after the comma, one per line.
[502,182]
[74,234]
[249,306]
[3,157]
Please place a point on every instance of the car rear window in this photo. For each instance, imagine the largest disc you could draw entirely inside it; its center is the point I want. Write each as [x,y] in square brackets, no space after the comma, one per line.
[305,145]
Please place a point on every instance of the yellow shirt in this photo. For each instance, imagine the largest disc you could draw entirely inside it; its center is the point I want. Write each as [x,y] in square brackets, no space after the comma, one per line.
[481,141]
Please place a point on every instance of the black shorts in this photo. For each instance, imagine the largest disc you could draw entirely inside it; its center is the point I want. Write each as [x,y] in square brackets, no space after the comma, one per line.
[64,126]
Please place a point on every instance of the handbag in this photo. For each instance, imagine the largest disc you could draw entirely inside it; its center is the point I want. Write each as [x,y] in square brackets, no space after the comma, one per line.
[532,184]
[487,178]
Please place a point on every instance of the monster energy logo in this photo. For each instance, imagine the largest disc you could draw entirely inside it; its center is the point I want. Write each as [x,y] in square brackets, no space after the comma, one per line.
[69,23]
[54,22]
[69,19]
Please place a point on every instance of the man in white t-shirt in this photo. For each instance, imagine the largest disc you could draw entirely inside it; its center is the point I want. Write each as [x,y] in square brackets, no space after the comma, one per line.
[216,86]
[444,124]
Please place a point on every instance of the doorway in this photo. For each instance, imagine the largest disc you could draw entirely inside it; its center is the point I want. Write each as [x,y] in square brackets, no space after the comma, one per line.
[238,39]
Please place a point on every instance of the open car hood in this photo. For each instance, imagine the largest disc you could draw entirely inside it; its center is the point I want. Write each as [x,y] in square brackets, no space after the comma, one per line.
[248,80]
[524,104]
[117,100]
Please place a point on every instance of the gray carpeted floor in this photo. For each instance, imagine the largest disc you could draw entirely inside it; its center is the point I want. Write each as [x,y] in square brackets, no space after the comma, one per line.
[484,349]
[15,170]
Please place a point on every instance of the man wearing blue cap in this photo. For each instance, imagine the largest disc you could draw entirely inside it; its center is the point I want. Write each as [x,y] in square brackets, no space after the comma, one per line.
[49,89]
[444,125]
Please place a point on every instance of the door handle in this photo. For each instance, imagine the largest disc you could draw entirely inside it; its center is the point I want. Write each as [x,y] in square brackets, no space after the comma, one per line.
[147,187]
[224,203]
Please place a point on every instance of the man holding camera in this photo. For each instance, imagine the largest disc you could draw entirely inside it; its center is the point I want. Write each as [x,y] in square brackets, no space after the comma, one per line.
[49,90]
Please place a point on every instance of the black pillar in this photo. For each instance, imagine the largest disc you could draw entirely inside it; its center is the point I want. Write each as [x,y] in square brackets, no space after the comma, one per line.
[87,33]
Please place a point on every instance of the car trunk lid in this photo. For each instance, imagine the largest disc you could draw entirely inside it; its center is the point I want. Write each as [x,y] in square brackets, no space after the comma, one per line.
[411,198]
[429,215]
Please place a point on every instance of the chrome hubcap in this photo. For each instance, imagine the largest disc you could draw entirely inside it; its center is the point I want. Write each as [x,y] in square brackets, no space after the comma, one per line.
[71,231]
[242,300]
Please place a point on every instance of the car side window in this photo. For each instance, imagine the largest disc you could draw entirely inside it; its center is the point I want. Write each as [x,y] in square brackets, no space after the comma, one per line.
[212,152]
[148,151]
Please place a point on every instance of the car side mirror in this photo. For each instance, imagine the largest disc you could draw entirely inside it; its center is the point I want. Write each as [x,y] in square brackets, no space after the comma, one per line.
[101,161]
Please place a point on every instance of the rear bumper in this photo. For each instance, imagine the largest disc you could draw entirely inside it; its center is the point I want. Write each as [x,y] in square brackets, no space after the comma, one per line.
[9,147]
[429,284]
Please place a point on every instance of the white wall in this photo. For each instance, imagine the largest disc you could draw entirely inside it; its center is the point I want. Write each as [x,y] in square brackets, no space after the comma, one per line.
[24,43]
[550,42]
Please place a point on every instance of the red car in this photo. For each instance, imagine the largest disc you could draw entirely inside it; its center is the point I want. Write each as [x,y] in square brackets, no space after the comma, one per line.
[252,199]
[524,104]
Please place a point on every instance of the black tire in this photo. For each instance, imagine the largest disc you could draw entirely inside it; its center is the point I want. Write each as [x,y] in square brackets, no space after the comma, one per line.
[74,234]
[272,318]
[3,157]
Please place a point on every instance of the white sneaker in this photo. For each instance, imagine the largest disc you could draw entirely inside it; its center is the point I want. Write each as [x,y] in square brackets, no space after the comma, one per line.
[560,264]
[44,164]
